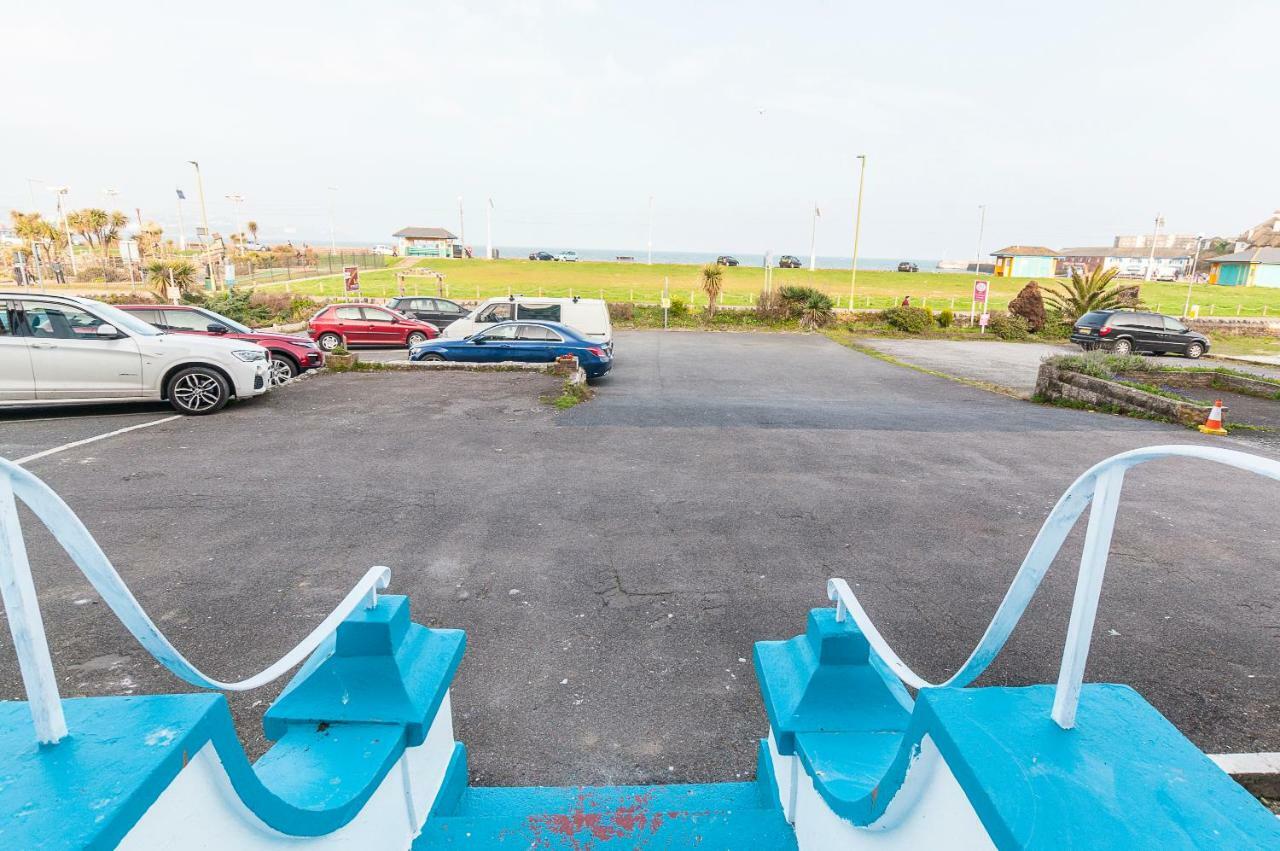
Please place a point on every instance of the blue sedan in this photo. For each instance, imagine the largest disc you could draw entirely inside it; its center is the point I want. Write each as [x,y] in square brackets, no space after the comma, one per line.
[521,342]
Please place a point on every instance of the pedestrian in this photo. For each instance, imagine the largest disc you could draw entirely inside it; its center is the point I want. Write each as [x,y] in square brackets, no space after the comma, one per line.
[906,301]
[58,274]
[19,274]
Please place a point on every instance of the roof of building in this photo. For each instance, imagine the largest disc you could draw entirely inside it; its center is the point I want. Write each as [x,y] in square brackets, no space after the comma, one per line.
[1112,251]
[423,233]
[1025,251]
[1250,255]
[1264,235]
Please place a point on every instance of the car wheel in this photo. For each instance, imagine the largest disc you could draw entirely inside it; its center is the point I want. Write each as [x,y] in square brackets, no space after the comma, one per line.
[417,338]
[329,341]
[282,369]
[198,390]
[433,357]
[1195,350]
[1122,347]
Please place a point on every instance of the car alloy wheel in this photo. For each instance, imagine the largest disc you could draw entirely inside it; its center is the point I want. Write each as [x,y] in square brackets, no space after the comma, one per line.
[417,338]
[434,357]
[1195,350]
[329,342]
[198,391]
[1122,347]
[282,370]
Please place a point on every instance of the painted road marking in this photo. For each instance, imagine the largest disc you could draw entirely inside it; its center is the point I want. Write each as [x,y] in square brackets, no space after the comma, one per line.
[64,447]
[1247,763]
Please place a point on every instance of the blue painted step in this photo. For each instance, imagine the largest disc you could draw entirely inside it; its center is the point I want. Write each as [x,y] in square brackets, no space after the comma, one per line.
[707,817]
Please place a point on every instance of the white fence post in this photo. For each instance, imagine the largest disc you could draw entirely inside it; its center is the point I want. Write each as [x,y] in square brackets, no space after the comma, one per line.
[25,625]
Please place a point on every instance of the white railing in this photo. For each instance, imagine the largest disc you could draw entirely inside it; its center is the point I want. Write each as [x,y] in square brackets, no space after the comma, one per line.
[23,609]
[1100,485]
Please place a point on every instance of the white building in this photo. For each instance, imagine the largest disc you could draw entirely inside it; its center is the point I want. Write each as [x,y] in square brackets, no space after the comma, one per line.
[1169,263]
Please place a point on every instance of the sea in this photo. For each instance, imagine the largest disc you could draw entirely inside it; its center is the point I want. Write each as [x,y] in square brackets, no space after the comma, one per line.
[697,258]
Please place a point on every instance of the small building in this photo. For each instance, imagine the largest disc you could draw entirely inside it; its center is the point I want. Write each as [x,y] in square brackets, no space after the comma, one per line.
[1025,261]
[1253,267]
[1167,264]
[425,242]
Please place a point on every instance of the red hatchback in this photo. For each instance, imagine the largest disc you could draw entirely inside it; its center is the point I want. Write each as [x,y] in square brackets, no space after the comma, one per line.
[290,353]
[367,325]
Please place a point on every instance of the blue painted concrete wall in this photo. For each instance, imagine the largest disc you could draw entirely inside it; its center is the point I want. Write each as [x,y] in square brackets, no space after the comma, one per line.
[1233,274]
[1034,267]
[1267,275]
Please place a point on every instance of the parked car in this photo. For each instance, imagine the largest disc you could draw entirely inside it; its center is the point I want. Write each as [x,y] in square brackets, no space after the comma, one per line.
[541,255]
[1127,331]
[367,325]
[440,312]
[568,256]
[63,349]
[522,342]
[726,260]
[384,250]
[587,316]
[254,246]
[290,354]
[789,261]
[908,266]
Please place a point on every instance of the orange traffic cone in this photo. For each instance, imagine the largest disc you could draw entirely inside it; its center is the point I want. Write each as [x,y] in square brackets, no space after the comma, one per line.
[1213,425]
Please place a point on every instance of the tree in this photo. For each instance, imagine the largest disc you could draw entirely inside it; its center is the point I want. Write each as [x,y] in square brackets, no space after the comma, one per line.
[815,311]
[712,283]
[1092,292]
[37,234]
[252,227]
[1029,304]
[149,240]
[99,228]
[183,276]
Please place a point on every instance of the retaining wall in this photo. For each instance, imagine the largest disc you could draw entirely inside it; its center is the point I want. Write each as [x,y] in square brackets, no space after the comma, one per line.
[1053,383]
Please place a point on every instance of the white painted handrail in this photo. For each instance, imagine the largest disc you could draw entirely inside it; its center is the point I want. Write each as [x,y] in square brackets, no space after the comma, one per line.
[1100,485]
[27,627]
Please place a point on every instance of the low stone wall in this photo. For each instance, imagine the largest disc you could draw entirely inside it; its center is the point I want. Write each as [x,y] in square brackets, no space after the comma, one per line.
[1235,327]
[1053,383]
[1214,380]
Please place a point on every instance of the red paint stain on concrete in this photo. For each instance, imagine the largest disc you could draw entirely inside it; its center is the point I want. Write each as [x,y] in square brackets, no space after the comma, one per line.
[587,825]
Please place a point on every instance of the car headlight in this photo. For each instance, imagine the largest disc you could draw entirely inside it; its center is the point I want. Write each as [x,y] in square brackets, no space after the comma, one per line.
[250,355]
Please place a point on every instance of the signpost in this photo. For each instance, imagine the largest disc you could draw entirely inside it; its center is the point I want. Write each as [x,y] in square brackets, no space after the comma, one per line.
[980,289]
[666,300]
[351,279]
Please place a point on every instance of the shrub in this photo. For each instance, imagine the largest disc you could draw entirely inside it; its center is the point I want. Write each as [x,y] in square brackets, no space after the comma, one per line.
[100,273]
[816,310]
[1101,364]
[1029,304]
[1008,327]
[181,272]
[679,307]
[622,311]
[712,282]
[796,297]
[945,318]
[1055,330]
[770,307]
[913,320]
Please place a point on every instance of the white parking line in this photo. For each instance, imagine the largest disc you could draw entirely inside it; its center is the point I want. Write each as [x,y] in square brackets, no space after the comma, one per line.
[1247,763]
[72,445]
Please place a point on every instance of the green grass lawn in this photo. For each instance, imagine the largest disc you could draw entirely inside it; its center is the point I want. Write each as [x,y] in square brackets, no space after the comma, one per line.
[637,282]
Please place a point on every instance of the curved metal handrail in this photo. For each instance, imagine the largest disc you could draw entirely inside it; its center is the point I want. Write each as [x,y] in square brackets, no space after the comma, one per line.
[1101,485]
[27,627]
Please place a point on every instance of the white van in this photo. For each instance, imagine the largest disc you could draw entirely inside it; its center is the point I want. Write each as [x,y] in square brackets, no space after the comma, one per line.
[587,316]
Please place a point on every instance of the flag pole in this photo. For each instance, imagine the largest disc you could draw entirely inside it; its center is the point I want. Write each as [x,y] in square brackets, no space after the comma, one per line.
[813,239]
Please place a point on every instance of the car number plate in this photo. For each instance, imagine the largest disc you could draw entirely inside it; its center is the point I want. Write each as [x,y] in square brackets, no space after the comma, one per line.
[1083,330]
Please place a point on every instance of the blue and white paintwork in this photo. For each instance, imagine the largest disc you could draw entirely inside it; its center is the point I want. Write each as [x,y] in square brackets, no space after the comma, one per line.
[365,756]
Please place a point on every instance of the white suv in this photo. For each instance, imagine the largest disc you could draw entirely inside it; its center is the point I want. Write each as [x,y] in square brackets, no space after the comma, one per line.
[63,349]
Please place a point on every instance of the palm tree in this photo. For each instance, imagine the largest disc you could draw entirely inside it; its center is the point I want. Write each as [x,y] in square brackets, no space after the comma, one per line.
[183,276]
[252,227]
[1083,293]
[712,282]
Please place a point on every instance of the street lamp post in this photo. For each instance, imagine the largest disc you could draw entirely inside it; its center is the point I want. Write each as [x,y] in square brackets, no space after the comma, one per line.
[462,227]
[31,181]
[488,231]
[333,239]
[1191,279]
[650,258]
[204,219]
[62,214]
[813,240]
[236,198]
[977,264]
[857,228]
[182,228]
[1151,257]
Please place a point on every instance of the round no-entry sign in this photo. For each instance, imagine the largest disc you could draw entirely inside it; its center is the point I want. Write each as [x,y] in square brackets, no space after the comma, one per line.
[979,290]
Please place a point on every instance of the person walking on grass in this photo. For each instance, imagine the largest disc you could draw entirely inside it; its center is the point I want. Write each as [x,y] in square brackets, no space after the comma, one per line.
[906,301]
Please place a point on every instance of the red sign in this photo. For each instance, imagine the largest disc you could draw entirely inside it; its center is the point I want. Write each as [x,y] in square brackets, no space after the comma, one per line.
[980,291]
[351,274]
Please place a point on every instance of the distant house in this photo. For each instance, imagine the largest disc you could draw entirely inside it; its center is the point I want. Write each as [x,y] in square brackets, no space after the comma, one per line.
[1253,267]
[1265,235]
[425,242]
[1169,263]
[1025,261]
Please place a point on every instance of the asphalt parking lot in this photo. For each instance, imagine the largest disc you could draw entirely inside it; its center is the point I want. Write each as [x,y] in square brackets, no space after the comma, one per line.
[612,564]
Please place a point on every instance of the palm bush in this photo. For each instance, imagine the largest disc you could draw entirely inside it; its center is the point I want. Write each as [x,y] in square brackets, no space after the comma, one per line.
[1083,293]
[162,274]
[712,282]
[816,310]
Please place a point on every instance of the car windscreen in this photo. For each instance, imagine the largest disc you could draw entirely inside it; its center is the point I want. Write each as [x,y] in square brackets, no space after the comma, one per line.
[1093,318]
[544,312]
[120,319]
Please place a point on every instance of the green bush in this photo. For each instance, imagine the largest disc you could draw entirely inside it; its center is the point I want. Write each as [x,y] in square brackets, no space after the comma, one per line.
[816,310]
[945,318]
[913,320]
[679,307]
[1008,327]
[622,311]
[1101,364]
[1055,330]
[770,307]
[797,298]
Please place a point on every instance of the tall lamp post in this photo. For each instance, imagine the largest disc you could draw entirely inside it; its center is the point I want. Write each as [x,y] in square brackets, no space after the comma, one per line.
[857,229]
[462,227]
[1151,257]
[204,219]
[333,239]
[1191,279]
[650,259]
[236,199]
[31,182]
[813,239]
[488,231]
[62,214]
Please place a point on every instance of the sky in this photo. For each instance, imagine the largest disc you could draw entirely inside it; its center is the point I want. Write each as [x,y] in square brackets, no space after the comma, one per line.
[1071,123]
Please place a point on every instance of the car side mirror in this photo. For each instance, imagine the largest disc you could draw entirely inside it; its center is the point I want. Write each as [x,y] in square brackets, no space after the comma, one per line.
[217,328]
[108,331]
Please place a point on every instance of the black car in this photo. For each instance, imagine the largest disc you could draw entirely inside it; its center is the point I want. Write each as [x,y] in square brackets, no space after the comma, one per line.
[726,260]
[788,261]
[542,255]
[908,266]
[438,311]
[1127,331]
